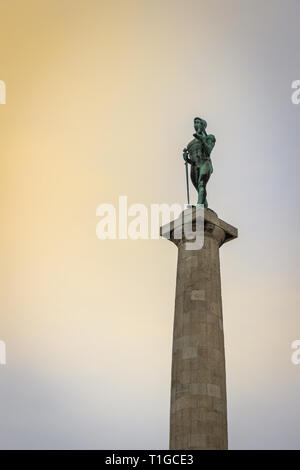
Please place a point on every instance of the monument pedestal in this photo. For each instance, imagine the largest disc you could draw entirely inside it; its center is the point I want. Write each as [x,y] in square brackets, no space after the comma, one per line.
[198,389]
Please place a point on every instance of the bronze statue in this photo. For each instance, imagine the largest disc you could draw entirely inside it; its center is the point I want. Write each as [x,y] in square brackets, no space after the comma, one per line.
[197,153]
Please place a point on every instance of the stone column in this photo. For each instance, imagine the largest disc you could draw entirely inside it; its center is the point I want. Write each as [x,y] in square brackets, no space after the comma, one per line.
[198,388]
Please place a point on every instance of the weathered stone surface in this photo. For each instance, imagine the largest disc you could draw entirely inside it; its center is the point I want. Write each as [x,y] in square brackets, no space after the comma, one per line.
[198,417]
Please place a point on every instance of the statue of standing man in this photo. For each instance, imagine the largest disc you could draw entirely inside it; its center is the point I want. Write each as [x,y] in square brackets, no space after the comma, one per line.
[197,154]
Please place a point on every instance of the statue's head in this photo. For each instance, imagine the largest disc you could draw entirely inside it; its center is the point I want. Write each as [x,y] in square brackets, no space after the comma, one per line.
[199,124]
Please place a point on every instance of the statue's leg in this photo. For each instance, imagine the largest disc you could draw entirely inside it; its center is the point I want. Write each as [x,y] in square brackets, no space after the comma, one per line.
[195,176]
[202,192]
[204,176]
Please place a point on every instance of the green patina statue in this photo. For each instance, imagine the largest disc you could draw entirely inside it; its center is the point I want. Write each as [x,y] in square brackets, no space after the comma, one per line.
[197,154]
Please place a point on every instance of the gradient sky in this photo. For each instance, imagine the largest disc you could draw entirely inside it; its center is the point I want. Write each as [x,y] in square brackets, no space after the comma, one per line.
[101,98]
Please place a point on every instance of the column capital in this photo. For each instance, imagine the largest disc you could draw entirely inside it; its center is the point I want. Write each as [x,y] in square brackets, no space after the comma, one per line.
[214,227]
